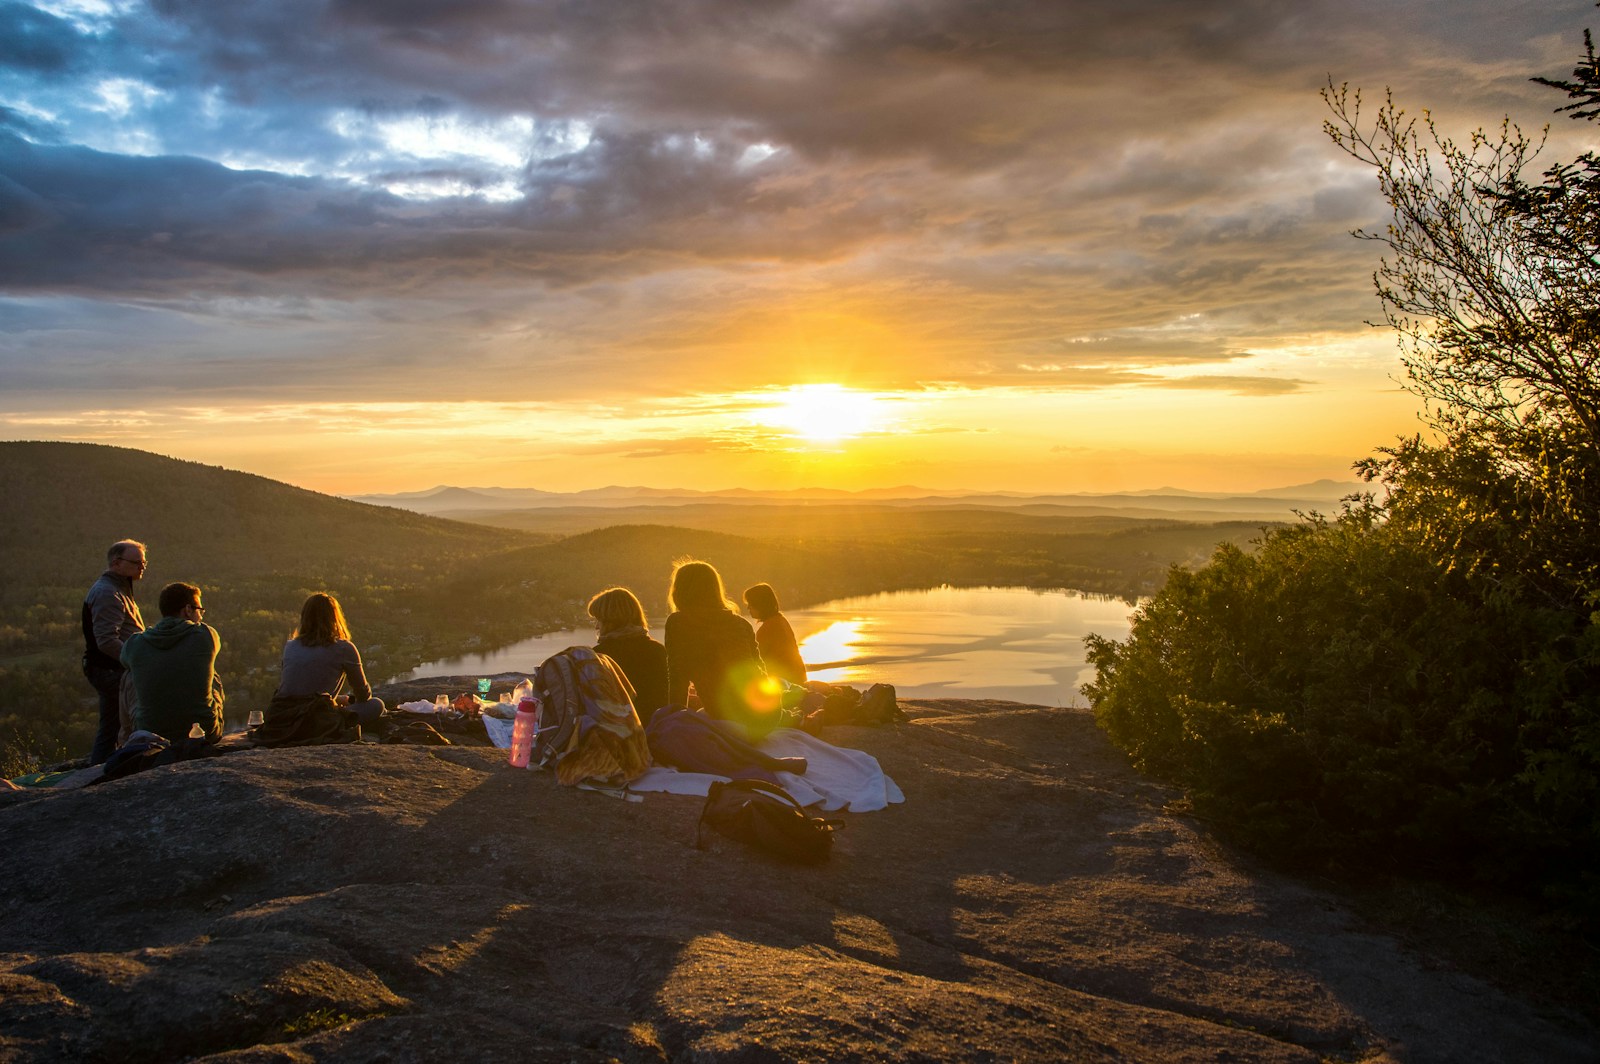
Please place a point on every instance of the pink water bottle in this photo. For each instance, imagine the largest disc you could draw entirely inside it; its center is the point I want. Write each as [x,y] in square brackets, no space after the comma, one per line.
[522,730]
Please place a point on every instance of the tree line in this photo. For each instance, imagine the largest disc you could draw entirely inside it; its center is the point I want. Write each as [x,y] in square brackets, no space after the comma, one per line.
[418,589]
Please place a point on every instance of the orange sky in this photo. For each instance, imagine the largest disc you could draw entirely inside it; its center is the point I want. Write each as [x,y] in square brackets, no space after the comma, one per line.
[1032,248]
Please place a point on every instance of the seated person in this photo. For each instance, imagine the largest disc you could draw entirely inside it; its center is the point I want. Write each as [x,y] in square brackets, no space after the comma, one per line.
[710,646]
[320,659]
[625,639]
[173,665]
[779,651]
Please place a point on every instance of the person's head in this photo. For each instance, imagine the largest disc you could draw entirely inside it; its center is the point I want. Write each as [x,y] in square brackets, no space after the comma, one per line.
[126,557]
[697,586]
[181,600]
[616,608]
[761,600]
[321,622]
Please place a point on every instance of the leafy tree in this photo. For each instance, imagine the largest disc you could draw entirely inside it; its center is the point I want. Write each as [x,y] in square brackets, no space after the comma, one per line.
[1416,683]
[1492,282]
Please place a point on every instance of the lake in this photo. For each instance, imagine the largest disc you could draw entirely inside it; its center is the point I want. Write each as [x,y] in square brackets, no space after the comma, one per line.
[1009,643]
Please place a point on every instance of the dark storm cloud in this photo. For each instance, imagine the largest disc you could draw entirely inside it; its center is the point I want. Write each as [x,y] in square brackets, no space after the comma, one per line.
[34,40]
[1000,178]
[73,219]
[950,84]
[874,78]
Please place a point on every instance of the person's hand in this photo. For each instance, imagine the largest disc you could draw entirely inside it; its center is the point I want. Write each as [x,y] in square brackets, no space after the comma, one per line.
[344,700]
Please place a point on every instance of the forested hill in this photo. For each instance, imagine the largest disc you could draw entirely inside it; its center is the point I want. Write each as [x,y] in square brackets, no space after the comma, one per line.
[256,547]
[641,557]
[420,588]
[66,502]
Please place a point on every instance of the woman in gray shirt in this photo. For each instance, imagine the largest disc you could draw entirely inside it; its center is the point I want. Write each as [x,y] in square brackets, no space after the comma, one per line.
[320,659]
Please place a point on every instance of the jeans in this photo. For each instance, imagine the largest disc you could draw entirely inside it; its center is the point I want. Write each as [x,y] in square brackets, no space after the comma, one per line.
[107,683]
[367,711]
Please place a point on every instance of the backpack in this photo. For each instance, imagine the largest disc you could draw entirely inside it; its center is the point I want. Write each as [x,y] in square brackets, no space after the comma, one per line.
[147,750]
[141,751]
[840,704]
[588,729]
[765,816]
[878,706]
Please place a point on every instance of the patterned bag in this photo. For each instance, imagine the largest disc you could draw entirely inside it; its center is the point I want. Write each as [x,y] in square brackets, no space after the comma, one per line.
[588,729]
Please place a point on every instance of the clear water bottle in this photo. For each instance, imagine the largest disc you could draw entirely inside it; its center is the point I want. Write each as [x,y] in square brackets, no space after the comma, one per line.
[522,731]
[521,691]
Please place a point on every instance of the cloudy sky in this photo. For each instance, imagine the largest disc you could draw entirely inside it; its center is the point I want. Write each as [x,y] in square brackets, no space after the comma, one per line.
[1056,245]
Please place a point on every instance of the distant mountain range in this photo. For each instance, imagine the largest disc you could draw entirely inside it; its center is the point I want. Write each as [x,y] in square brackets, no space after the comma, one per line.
[1268,504]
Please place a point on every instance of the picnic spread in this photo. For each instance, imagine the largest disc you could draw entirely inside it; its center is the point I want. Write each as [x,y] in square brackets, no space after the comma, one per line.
[575,718]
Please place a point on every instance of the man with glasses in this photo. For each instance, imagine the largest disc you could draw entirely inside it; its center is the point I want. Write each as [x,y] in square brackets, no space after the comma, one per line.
[110,619]
[174,669]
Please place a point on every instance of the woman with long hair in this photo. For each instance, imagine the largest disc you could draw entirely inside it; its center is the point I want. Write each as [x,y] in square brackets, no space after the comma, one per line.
[319,658]
[625,639]
[710,646]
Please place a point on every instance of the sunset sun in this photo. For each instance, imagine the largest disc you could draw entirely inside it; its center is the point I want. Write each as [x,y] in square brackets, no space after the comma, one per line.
[825,413]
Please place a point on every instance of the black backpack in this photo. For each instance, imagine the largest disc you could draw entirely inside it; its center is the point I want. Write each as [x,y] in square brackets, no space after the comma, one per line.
[763,815]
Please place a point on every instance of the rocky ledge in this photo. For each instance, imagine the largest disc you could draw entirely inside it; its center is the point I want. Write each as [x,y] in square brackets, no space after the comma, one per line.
[1033,899]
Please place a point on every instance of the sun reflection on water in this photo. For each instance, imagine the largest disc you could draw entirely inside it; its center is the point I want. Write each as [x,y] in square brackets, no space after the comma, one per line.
[1013,643]
[836,645]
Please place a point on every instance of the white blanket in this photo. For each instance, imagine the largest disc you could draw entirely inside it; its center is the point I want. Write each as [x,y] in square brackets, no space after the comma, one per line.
[836,777]
[499,731]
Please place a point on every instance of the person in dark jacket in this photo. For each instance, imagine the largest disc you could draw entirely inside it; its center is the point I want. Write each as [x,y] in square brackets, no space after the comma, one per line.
[625,639]
[710,646]
[174,668]
[319,658]
[110,618]
[780,653]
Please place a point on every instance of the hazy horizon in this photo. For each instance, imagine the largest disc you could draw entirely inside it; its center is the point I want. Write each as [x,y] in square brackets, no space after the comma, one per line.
[895,490]
[364,248]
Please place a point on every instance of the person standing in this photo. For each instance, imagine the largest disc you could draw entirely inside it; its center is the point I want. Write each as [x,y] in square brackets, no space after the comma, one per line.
[174,669]
[110,618]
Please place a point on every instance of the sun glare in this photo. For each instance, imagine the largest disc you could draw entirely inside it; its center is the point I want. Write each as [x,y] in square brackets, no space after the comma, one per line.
[825,413]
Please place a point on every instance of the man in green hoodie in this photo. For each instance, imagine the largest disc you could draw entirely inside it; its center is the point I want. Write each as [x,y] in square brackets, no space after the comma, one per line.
[174,669]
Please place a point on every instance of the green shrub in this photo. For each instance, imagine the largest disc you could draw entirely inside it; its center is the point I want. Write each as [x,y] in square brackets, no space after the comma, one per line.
[1346,697]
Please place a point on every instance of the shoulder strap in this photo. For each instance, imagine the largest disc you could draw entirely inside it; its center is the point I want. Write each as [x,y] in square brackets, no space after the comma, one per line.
[762,786]
[744,784]
[827,824]
[718,786]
